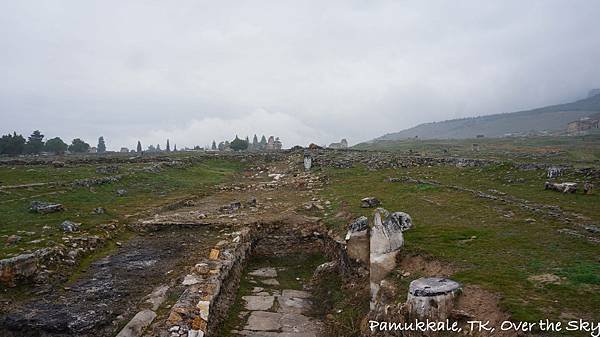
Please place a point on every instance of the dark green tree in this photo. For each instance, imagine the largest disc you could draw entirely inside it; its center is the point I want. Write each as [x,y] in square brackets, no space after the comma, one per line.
[214,146]
[139,147]
[168,146]
[56,145]
[238,144]
[151,148]
[263,143]
[79,146]
[12,144]
[35,143]
[101,145]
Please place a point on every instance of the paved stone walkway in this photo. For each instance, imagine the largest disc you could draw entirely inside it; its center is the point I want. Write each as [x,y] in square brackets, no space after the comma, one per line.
[271,312]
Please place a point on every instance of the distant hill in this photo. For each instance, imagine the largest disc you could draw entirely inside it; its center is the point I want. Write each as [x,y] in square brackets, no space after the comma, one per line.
[552,118]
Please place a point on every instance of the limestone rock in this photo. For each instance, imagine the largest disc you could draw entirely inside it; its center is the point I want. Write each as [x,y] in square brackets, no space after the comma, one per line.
[386,234]
[561,187]
[69,226]
[45,207]
[369,202]
[432,298]
[138,323]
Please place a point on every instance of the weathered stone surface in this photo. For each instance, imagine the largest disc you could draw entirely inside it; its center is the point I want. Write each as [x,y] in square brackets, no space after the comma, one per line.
[293,305]
[359,224]
[386,239]
[69,226]
[369,202]
[138,323]
[264,321]
[121,192]
[18,267]
[258,303]
[357,245]
[45,207]
[13,239]
[554,172]
[109,169]
[270,281]
[157,297]
[588,188]
[307,162]
[264,272]
[432,298]
[386,234]
[295,293]
[561,187]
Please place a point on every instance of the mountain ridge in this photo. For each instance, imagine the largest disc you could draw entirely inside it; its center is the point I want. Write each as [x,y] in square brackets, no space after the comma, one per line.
[552,118]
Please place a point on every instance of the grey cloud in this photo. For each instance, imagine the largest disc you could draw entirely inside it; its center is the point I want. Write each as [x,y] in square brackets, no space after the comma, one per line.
[355,69]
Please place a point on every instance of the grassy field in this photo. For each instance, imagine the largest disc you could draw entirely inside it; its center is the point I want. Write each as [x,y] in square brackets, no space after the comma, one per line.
[494,245]
[144,191]
[579,150]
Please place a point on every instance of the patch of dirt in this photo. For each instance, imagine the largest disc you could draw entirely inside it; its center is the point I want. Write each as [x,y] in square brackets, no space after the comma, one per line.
[480,304]
[425,265]
[545,279]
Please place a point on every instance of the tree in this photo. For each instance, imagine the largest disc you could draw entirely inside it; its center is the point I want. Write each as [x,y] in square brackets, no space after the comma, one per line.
[168,147]
[139,147]
[12,144]
[238,144]
[35,143]
[56,145]
[221,146]
[101,145]
[79,146]
[175,148]
[254,143]
[263,143]
[214,146]
[151,148]
[158,148]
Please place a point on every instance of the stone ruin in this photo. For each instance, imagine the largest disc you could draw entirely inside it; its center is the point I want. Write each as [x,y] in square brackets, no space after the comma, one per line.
[561,187]
[385,243]
[554,172]
[343,144]
[428,298]
[307,162]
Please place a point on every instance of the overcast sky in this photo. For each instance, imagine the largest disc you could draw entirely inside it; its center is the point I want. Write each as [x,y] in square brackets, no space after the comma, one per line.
[307,71]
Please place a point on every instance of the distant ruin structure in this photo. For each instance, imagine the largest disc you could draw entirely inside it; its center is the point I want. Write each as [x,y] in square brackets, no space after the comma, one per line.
[343,144]
[582,126]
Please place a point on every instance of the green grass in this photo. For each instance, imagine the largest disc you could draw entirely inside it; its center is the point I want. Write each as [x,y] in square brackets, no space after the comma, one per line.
[580,149]
[490,242]
[144,191]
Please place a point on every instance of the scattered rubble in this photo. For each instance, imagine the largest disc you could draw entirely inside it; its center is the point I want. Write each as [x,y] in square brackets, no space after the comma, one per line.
[369,202]
[45,207]
[561,187]
[69,226]
[110,169]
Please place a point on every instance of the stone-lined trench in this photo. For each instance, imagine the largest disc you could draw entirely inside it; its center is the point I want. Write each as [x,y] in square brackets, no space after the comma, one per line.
[274,298]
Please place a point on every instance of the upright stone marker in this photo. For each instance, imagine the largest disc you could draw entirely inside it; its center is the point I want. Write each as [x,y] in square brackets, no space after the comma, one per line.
[386,240]
[307,162]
